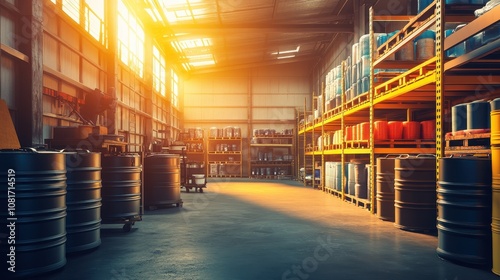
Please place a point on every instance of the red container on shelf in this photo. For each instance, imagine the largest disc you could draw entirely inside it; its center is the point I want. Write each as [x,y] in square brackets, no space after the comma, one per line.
[428,129]
[395,130]
[411,130]
[355,132]
[364,129]
[348,133]
[380,130]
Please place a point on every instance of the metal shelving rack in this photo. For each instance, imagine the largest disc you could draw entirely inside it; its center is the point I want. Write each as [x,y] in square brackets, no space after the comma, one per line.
[224,152]
[435,84]
[474,72]
[270,162]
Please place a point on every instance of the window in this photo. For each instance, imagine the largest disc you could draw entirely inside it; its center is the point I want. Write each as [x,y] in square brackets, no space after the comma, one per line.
[89,14]
[175,89]
[130,40]
[159,72]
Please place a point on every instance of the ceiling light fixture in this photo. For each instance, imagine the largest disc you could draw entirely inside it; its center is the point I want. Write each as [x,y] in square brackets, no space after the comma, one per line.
[296,50]
[286,56]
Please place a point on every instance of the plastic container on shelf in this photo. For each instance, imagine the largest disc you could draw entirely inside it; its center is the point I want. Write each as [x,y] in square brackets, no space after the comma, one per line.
[337,86]
[380,130]
[337,72]
[449,2]
[364,131]
[364,45]
[355,53]
[390,35]
[425,47]
[428,129]
[354,74]
[347,77]
[365,66]
[422,4]
[474,42]
[395,130]
[405,53]
[365,84]
[450,52]
[459,49]
[381,39]
[360,87]
[354,90]
[411,130]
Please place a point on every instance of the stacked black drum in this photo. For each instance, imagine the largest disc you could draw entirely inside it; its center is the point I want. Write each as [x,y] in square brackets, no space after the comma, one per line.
[33,221]
[464,210]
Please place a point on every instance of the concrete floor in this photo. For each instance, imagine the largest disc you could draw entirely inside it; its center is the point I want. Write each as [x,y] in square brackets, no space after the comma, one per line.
[263,230]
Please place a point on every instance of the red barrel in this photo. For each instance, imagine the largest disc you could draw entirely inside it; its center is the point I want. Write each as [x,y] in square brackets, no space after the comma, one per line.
[355,132]
[428,129]
[411,130]
[348,133]
[395,130]
[364,129]
[381,130]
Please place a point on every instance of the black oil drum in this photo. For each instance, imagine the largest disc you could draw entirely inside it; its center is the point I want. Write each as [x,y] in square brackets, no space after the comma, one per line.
[33,212]
[83,201]
[478,115]
[385,188]
[162,180]
[459,117]
[415,193]
[464,207]
[121,186]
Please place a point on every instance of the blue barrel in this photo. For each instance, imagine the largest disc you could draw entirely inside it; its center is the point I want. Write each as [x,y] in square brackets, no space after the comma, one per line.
[37,185]
[350,180]
[337,179]
[464,210]
[450,52]
[459,49]
[448,2]
[354,74]
[364,45]
[365,84]
[422,4]
[354,90]
[478,115]
[381,39]
[491,33]
[365,66]
[459,117]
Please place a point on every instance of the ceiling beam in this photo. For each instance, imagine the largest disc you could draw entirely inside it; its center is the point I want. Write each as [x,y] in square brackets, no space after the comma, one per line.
[250,64]
[209,29]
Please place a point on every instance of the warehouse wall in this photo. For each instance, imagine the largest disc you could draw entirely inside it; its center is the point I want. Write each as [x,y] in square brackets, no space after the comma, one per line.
[45,54]
[259,98]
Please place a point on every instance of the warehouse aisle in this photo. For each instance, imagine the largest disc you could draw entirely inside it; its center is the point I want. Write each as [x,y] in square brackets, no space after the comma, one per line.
[263,230]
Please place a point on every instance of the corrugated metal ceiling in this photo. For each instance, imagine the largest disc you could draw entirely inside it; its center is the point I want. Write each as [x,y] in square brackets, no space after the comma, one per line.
[245,34]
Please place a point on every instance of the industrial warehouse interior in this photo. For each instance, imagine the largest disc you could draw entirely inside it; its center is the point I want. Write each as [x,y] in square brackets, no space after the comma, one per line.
[265,139]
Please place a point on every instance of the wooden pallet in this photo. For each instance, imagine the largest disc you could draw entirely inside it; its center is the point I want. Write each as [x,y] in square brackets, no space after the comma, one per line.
[356,144]
[356,101]
[359,202]
[405,143]
[468,143]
